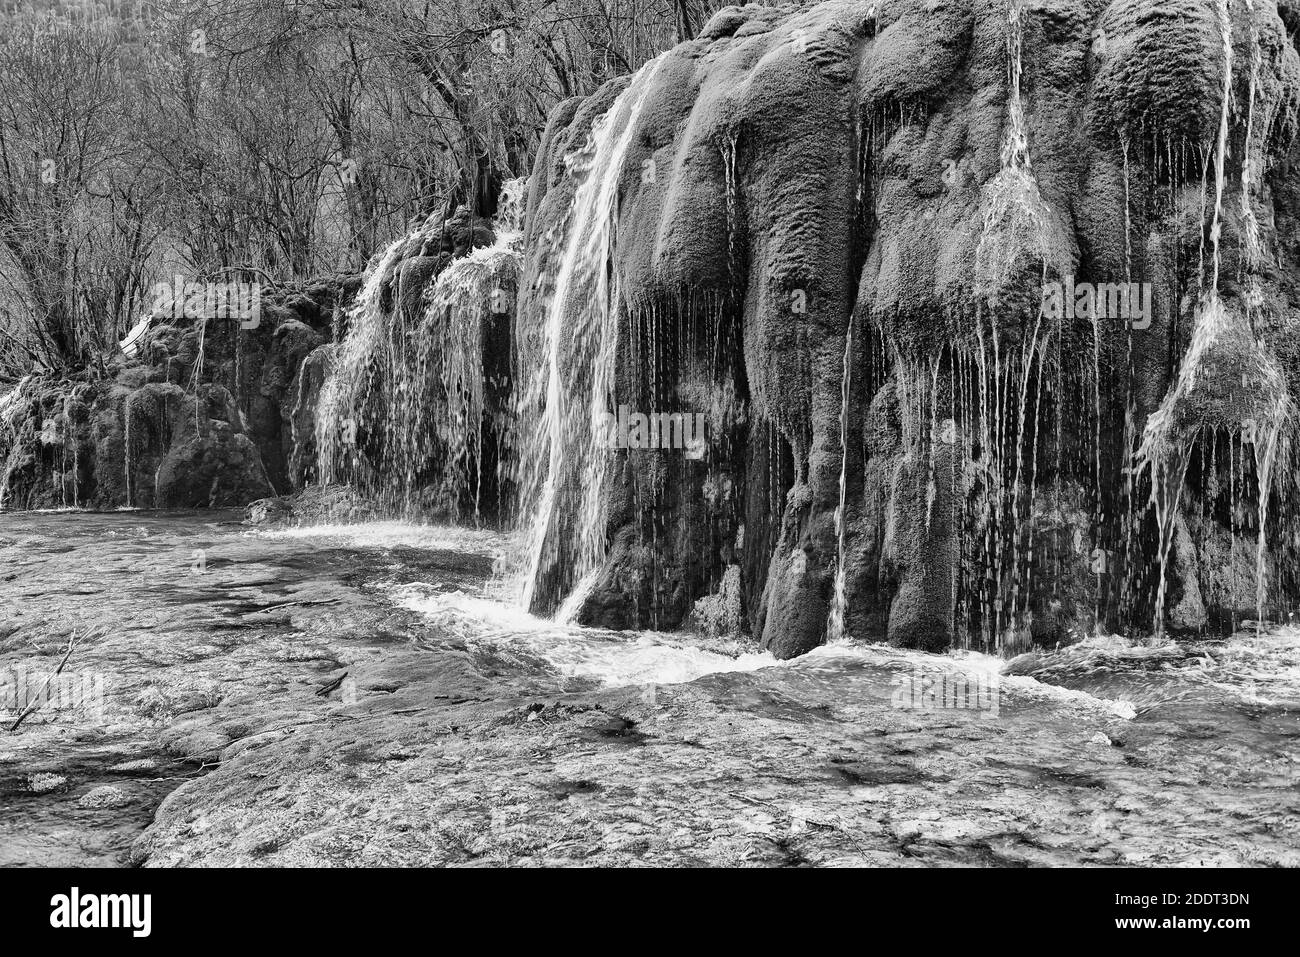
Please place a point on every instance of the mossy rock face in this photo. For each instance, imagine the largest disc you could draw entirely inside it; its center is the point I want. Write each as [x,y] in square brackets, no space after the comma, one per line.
[200,416]
[1158,65]
[219,468]
[220,410]
[161,447]
[794,172]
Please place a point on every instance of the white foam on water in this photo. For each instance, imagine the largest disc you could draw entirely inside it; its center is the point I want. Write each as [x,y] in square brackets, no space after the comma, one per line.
[384,534]
[1254,666]
[1027,687]
[568,612]
[974,664]
[611,658]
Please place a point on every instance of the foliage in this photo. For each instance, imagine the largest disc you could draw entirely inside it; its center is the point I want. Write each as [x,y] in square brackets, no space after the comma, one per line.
[283,139]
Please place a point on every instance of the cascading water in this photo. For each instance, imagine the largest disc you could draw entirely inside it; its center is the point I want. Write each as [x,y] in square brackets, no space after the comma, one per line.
[1015,148]
[835,631]
[1010,355]
[970,407]
[69,439]
[196,379]
[12,408]
[1222,344]
[404,403]
[356,369]
[1250,222]
[458,311]
[127,450]
[1221,152]
[567,381]
[402,410]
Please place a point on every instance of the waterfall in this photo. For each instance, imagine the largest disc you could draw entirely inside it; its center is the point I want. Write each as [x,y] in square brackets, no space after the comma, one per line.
[1010,353]
[351,373]
[126,443]
[1221,153]
[11,407]
[295,436]
[835,625]
[1263,416]
[1015,148]
[457,319]
[1015,214]
[567,384]
[69,438]
[1250,223]
[402,408]
[197,378]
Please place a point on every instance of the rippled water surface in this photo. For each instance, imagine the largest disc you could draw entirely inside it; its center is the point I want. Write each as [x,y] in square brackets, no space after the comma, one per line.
[219,643]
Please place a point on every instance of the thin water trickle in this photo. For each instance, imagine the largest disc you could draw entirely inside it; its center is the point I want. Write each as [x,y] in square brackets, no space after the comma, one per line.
[197,378]
[68,437]
[1221,152]
[835,630]
[1218,334]
[126,446]
[1250,223]
[998,396]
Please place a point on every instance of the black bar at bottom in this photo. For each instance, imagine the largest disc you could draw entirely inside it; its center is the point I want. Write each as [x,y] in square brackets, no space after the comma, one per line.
[366,907]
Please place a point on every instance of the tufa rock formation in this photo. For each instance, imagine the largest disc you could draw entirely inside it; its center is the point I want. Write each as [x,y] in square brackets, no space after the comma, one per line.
[886,249]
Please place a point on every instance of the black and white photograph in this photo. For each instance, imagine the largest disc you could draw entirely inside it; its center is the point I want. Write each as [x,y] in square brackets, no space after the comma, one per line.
[503,435]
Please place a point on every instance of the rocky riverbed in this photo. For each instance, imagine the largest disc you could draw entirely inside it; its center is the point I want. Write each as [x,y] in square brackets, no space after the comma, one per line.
[365,695]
